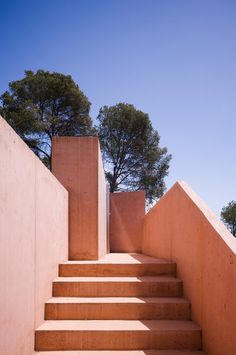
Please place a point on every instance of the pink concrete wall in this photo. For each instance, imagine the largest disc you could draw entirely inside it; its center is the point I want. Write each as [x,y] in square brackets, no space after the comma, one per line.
[33,240]
[76,162]
[127,210]
[181,227]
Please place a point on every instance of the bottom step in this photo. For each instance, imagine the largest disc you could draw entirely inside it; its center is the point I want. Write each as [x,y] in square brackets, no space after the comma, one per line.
[122,352]
[118,335]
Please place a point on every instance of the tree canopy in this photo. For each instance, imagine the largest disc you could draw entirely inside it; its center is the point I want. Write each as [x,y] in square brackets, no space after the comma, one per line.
[228,216]
[130,146]
[45,104]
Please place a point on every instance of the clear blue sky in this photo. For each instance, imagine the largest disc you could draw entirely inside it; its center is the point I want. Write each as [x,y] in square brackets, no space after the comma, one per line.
[174,59]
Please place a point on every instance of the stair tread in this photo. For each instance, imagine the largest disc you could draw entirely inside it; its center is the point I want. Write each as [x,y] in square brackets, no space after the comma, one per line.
[117,279]
[122,258]
[112,300]
[118,325]
[121,352]
[81,319]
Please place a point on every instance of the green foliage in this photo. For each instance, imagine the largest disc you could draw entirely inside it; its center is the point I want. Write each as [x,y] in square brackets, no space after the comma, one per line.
[130,147]
[45,104]
[228,216]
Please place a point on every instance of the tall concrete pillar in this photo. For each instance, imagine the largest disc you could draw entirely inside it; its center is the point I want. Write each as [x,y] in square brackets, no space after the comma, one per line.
[77,164]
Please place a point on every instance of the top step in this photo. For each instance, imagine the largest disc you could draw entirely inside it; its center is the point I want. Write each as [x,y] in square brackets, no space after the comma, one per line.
[118,264]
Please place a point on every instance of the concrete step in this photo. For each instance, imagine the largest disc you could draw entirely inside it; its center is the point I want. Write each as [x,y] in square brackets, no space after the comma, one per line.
[121,352]
[63,308]
[142,286]
[119,264]
[117,335]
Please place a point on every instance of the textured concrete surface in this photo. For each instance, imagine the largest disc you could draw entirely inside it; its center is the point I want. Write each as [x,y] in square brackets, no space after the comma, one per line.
[112,313]
[122,258]
[118,325]
[33,240]
[117,308]
[127,210]
[118,264]
[76,162]
[117,334]
[117,286]
[122,352]
[180,227]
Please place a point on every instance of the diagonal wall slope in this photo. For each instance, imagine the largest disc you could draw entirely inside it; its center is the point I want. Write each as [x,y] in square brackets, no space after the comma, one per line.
[182,228]
[33,240]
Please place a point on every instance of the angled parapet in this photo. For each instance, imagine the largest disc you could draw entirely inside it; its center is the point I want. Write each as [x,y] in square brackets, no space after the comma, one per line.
[77,164]
[182,228]
[33,240]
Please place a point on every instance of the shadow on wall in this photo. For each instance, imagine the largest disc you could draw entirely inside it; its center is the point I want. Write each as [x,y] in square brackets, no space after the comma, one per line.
[127,210]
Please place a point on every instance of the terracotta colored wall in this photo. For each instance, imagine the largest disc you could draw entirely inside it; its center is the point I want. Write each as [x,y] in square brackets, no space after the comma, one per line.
[33,240]
[127,211]
[77,164]
[182,228]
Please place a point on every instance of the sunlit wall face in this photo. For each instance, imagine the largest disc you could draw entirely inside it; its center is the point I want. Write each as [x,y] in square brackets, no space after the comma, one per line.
[173,60]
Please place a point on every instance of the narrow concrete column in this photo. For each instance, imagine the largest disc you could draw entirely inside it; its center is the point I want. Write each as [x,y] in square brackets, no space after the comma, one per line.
[77,164]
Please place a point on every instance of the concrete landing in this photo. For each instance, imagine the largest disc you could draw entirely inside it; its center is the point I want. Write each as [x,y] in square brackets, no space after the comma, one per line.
[118,264]
[122,258]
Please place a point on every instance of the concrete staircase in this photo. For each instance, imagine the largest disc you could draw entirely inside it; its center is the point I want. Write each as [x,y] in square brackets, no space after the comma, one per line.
[122,304]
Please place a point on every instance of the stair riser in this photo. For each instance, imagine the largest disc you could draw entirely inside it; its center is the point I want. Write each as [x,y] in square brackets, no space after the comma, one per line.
[117,270]
[117,289]
[117,340]
[110,311]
